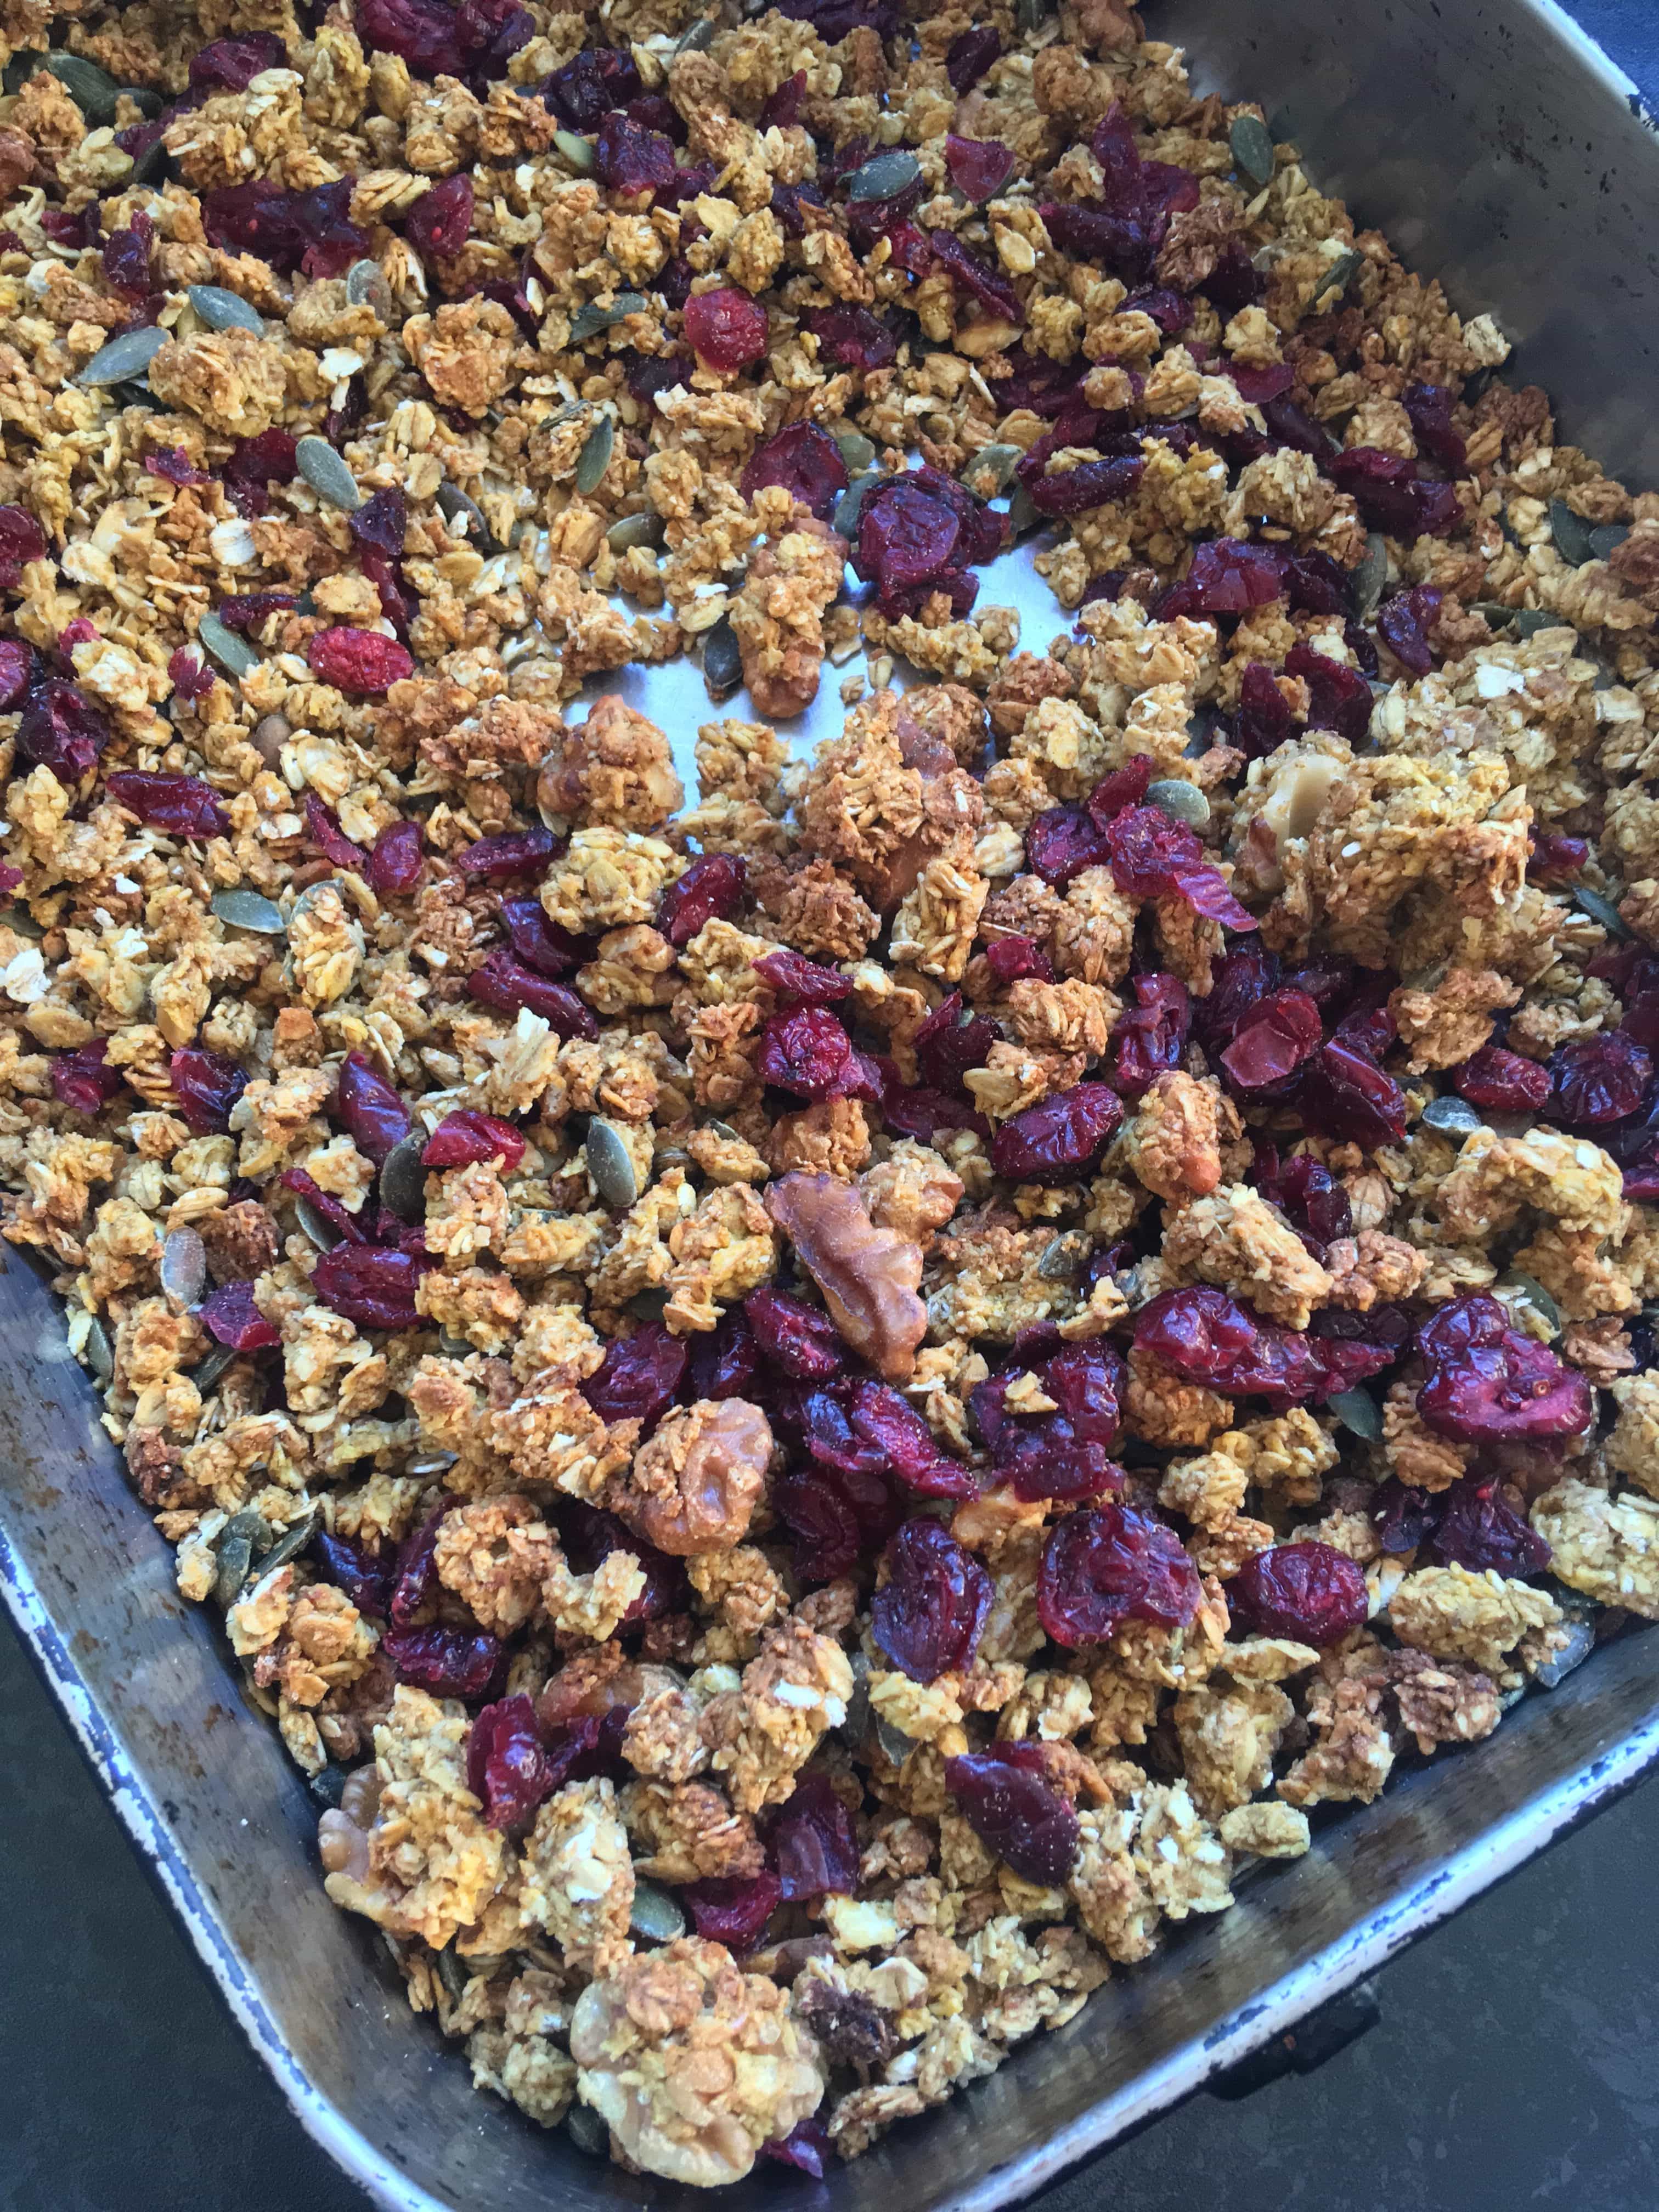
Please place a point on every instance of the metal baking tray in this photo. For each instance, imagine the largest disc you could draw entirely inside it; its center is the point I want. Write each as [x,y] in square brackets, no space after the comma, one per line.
[1502,152]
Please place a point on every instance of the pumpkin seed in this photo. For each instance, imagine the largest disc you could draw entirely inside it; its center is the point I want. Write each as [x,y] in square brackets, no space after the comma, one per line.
[1581,1642]
[245,909]
[292,1541]
[93,91]
[1528,1291]
[1369,577]
[128,355]
[327,474]
[896,1745]
[152,166]
[1022,512]
[452,1973]
[635,530]
[722,661]
[101,1354]
[697,37]
[1357,1410]
[1180,800]
[1607,538]
[241,1536]
[183,1268]
[1599,909]
[403,1180]
[366,287]
[850,505]
[234,653]
[1061,1262]
[595,457]
[207,1372]
[328,1787]
[452,501]
[1452,1117]
[1338,278]
[1528,620]
[1570,532]
[611,1165]
[996,462]
[322,1233]
[648,1305]
[588,2131]
[655,1914]
[1493,612]
[1031,14]
[883,175]
[855,449]
[20,69]
[268,735]
[1253,149]
[224,311]
[576,150]
[592,317]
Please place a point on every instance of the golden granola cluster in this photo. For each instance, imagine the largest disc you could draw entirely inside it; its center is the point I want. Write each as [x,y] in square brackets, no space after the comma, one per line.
[396,1075]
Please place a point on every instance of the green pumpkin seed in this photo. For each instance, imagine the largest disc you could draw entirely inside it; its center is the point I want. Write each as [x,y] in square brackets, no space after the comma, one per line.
[1528,1291]
[994,463]
[896,1745]
[588,2131]
[883,176]
[1180,800]
[595,457]
[128,355]
[452,1973]
[403,1180]
[234,653]
[328,1788]
[611,1165]
[322,1232]
[1031,14]
[635,530]
[289,1544]
[327,474]
[1451,1117]
[245,909]
[655,1915]
[1495,614]
[1368,579]
[1253,149]
[242,1536]
[648,1305]
[101,1354]
[576,150]
[589,320]
[183,1268]
[207,1372]
[855,449]
[1581,1642]
[1528,620]
[1598,910]
[1570,532]
[152,166]
[1605,540]
[20,69]
[1062,1261]
[224,311]
[698,37]
[1022,512]
[452,501]
[93,91]
[1338,278]
[366,287]
[1357,1410]
[722,658]
[850,505]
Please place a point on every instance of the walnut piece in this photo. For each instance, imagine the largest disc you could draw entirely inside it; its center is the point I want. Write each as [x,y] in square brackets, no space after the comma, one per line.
[868,1276]
[693,1487]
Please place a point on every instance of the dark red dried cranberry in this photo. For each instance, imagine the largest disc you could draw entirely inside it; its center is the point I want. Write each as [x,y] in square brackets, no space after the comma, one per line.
[230,1315]
[1088,485]
[1126,786]
[1430,407]
[394,865]
[1498,1081]
[1401,1514]
[466,1136]
[1272,1040]
[189,674]
[1085,1380]
[205,1087]
[1596,1080]
[728,330]
[416,1576]
[711,890]
[1153,857]
[1309,1591]
[16,672]
[507,1767]
[806,2148]
[363,1575]
[1514,1388]
[993,292]
[1110,1564]
[359,660]
[1264,719]
[422,33]
[1307,1193]
[852,338]
[183,805]
[641,1376]
[733,1909]
[247,611]
[535,940]
[902,1441]
[830,1534]
[448,1662]
[373,1287]
[929,1614]
[372,1115]
[812,1845]
[81,1080]
[330,840]
[806,461]
[1209,1338]
[807,1052]
[804,981]
[1150,1038]
[232,65]
[917,533]
[383,519]
[1553,861]
[782,108]
[1046,1458]
[506,984]
[922,1113]
[950,1041]
[1403,623]
[1227,577]
[62,729]
[969,56]
[1476,1527]
[1338,698]
[1344,1094]
[978,168]
[1056,1141]
[1390,495]
[1062,842]
[795,1336]
[630,158]
[1014,1811]
[256,463]
[725,1361]
[126,258]
[329,1208]
[584,91]
[439,222]
[502,860]
[1243,974]
[1012,959]
[310,230]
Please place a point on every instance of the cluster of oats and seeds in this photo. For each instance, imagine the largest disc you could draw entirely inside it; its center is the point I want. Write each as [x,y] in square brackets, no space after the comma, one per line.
[812,1413]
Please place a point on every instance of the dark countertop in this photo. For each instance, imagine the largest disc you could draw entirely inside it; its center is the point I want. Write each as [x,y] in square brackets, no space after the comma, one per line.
[1516,2059]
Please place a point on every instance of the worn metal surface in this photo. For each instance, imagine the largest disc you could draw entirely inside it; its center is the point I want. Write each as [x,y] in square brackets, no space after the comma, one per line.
[1501,152]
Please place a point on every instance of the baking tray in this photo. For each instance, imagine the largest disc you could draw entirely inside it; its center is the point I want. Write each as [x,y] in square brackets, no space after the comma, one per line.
[1500,150]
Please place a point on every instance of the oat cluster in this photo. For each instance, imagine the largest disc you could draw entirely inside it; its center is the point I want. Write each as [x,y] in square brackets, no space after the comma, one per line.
[813,1410]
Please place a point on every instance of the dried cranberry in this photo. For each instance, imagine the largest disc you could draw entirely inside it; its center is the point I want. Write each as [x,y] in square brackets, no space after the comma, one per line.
[1088,485]
[362,661]
[949,1042]
[1430,407]
[417,1576]
[1477,1528]
[852,338]
[992,291]
[782,108]
[728,329]
[501,859]
[806,461]
[978,168]
[726,1362]
[969,56]
[1085,1380]
[806,2148]
[205,1087]
[733,1909]
[382,520]
[1150,1038]
[232,65]
[1596,1080]
[230,1315]
[812,1845]
[1012,959]
[1498,1081]
[466,1136]
[62,729]
[829,1531]
[364,1576]
[1272,1040]
[506,984]
[1227,577]
[310,230]
[711,890]
[1368,1027]
[1513,1388]
[929,1614]
[189,674]
[630,158]
[1046,1458]
[1126,786]
[1108,1564]
[82,1081]
[1309,1591]
[330,840]
[1062,842]
[256,463]
[16,673]
[804,981]
[1243,974]
[1401,1514]
[536,942]
[1403,623]
[394,865]
[126,258]
[507,1767]
[1264,719]
[372,1286]
[245,611]
[591,1536]
[641,1376]
[1015,1811]
[917,533]
[584,91]
[1391,496]
[1338,698]
[1057,1140]
[920,1113]
[347,1226]
[1345,1096]
[901,1442]
[373,1115]
[1307,1192]
[795,1336]
[1553,861]
[449,1663]
[1210,1338]
[1153,857]
[806,1051]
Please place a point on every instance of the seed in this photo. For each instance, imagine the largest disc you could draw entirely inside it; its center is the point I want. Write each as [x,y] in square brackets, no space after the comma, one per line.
[1338,278]
[883,175]
[1253,149]
[1369,577]
[452,501]
[234,654]
[128,355]
[896,1745]
[1452,1117]
[1528,620]
[321,1233]
[100,1355]
[699,36]
[1570,532]
[1581,1642]
[655,1914]
[1528,1291]
[1031,14]
[1062,1261]
[635,530]
[20,69]
[183,1268]
[1357,1410]
[366,287]
[328,1787]
[722,661]
[1180,800]
[403,1180]
[611,1165]
[592,317]
[327,474]
[588,2131]
[268,735]
[850,505]
[207,1373]
[1495,615]
[576,150]
[452,1973]
[224,311]
[992,464]
[93,91]
[648,1305]
[1599,909]
[856,450]
[243,1534]
[1022,513]
[1606,538]
[595,457]
[292,1541]
[151,166]
[245,909]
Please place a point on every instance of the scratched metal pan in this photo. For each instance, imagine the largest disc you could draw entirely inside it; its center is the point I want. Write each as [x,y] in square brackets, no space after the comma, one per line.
[1503,153]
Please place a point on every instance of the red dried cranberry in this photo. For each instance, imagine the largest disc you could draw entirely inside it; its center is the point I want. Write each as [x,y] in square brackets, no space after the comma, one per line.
[726,1362]
[230,1315]
[500,859]
[711,890]
[584,91]
[807,983]
[806,2146]
[829,1532]
[1338,698]
[448,1662]
[1150,1038]
[852,338]
[1345,1096]
[1391,496]
[416,1575]
[1015,1812]
[422,33]
[641,1376]
[1272,1040]
[978,168]
[1046,1458]
[1401,1514]
[373,1287]
[949,1042]
[62,729]
[1110,1564]
[782,108]
[439,222]
[330,840]
[506,984]
[1243,974]
[329,1208]
[1227,577]
[310,230]
[1264,719]
[256,463]
[812,1845]
[1085,1380]
[1477,1528]
[1153,857]
[232,65]
[922,1112]
[1126,786]
[917,533]
[189,674]
[728,329]
[969,56]
[16,671]
[733,1909]
[373,1115]
[383,519]
[126,258]
[81,1080]
[902,1441]
[1515,1387]
[806,1051]
[1064,841]
[362,1574]
[1209,1338]
[394,865]
[1403,623]
[205,1087]
[535,940]
[992,291]
[1308,1193]
[1309,1592]
[1596,1080]
[631,158]
[1089,484]
[1012,959]
[247,611]
[361,661]
[508,1768]
[806,461]
[1430,407]
[1056,1141]
[1553,861]
[929,1614]
[795,1336]
[1498,1081]
[466,1136]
